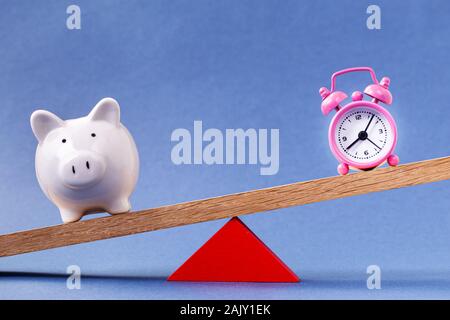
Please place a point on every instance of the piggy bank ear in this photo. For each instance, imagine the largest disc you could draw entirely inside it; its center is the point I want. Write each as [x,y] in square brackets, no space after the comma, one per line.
[106,109]
[42,122]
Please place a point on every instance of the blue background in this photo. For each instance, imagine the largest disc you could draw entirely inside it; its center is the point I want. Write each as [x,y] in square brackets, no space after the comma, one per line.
[231,64]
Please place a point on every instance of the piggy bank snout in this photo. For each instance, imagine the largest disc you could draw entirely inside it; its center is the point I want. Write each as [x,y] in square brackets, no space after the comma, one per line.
[82,170]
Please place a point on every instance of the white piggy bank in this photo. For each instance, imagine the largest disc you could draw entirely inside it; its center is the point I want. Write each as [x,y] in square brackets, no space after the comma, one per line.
[86,165]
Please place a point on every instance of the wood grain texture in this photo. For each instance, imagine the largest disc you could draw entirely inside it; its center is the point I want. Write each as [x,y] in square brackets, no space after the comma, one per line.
[227,206]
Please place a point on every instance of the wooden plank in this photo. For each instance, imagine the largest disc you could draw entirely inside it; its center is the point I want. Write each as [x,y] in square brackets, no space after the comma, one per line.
[227,206]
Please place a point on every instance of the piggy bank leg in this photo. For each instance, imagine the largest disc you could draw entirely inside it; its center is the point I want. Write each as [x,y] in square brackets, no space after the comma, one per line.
[68,215]
[342,169]
[393,160]
[119,206]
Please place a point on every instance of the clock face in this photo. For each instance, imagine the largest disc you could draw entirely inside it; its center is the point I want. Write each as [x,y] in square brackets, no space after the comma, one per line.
[364,135]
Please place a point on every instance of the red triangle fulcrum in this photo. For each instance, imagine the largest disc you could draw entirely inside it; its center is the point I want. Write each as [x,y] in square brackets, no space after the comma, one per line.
[234,254]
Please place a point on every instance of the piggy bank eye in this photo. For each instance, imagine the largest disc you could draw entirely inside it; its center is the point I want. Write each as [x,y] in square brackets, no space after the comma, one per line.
[63,140]
[93,135]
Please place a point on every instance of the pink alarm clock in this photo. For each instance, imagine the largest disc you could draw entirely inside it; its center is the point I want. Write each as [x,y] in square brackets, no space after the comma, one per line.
[362,134]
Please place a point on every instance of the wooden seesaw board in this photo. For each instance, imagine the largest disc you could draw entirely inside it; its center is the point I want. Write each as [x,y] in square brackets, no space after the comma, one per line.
[227,206]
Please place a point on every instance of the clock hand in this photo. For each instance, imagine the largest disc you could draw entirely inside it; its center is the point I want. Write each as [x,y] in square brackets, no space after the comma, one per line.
[374,143]
[352,144]
[370,121]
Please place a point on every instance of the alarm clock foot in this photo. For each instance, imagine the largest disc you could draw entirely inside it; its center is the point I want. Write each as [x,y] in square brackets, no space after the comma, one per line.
[342,169]
[393,160]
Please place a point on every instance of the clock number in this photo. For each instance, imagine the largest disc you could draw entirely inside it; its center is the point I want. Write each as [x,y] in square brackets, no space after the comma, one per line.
[380,131]
[366,152]
[358,117]
[344,139]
